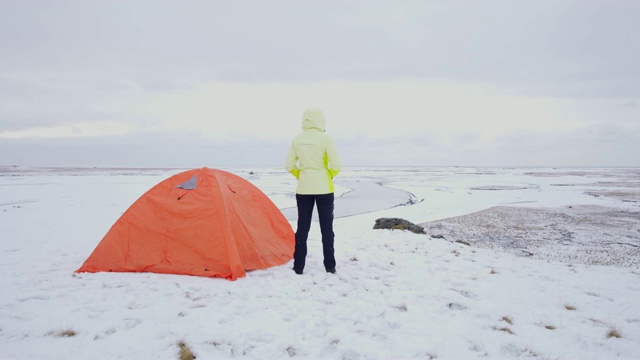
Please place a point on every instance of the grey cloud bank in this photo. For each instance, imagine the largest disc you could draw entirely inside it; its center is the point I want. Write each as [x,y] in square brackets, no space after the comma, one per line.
[168,150]
[161,71]
[556,42]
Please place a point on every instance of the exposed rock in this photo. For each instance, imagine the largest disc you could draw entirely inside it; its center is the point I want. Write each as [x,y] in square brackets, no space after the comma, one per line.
[398,224]
[576,234]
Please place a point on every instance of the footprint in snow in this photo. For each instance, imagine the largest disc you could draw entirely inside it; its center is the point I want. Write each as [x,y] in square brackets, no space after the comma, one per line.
[465,293]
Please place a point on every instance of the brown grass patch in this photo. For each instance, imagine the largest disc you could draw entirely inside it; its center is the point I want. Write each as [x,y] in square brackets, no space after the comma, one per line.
[185,351]
[505,329]
[507,320]
[400,227]
[614,333]
[68,332]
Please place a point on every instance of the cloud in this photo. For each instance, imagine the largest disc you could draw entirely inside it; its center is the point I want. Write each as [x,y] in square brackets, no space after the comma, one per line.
[385,123]
[602,145]
[428,82]
[74,130]
[159,148]
[51,98]
[584,48]
[374,109]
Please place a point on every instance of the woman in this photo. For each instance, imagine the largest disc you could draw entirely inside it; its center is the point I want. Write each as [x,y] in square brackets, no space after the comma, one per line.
[314,161]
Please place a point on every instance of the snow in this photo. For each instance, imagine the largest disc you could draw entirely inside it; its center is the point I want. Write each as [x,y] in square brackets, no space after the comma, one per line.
[396,294]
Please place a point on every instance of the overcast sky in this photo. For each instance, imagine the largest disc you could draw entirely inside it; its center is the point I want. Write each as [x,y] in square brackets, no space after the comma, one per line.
[224,83]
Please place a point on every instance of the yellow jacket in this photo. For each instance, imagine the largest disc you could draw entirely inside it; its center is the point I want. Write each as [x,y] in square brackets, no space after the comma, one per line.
[313,158]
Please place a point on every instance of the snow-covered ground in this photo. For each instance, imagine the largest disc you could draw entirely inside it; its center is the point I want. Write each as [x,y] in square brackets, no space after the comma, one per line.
[395,295]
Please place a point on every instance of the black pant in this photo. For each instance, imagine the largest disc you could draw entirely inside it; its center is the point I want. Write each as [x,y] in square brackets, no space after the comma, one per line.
[325,215]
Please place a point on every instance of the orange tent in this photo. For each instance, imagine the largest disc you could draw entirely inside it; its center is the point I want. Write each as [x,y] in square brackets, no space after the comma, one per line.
[202,222]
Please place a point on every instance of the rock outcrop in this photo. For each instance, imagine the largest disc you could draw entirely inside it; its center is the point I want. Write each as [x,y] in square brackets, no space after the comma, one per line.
[398,224]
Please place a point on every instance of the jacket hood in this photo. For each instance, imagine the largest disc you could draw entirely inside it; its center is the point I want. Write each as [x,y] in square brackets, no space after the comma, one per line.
[313,119]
